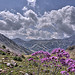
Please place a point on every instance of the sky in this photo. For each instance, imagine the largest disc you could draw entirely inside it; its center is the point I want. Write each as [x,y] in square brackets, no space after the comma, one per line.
[37,19]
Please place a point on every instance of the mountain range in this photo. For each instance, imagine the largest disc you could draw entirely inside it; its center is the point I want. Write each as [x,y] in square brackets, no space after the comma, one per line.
[12,46]
[49,45]
[18,45]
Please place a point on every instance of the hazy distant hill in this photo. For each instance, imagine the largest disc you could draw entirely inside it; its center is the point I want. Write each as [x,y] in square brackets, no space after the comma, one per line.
[46,44]
[11,45]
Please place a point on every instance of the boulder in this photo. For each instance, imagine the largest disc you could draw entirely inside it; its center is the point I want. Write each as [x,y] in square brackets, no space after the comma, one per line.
[13,63]
[8,64]
[0,70]
[28,73]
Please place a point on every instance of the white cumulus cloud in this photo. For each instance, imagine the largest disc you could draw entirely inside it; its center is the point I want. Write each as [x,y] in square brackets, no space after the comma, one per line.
[54,24]
[32,3]
[24,8]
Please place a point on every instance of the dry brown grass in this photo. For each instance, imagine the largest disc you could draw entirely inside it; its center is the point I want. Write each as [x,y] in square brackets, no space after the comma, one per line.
[27,56]
[72,53]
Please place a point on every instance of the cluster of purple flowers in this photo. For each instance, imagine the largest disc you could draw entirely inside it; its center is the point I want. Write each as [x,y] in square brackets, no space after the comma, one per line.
[64,73]
[60,53]
[53,58]
[45,60]
[71,65]
[59,66]
[46,54]
[31,59]
[61,58]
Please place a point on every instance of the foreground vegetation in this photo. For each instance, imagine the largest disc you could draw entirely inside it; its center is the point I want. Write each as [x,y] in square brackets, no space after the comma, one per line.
[39,63]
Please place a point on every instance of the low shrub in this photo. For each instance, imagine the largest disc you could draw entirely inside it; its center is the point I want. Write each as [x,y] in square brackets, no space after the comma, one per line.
[17,58]
[3,53]
[3,46]
[23,56]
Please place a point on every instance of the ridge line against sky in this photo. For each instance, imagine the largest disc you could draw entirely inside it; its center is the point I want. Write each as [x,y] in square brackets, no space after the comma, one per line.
[31,24]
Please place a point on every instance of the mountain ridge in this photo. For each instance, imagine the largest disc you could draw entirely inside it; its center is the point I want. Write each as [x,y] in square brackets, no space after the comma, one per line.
[46,44]
[11,45]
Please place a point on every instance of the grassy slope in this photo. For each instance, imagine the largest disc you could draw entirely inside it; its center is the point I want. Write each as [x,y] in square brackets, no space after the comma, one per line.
[26,66]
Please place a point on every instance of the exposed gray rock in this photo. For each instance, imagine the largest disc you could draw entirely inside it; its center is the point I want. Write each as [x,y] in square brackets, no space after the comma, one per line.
[8,64]
[26,74]
[0,70]
[13,63]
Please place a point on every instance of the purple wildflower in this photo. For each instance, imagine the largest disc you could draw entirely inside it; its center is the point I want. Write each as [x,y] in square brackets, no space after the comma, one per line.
[53,58]
[64,73]
[66,55]
[60,55]
[63,62]
[46,54]
[31,59]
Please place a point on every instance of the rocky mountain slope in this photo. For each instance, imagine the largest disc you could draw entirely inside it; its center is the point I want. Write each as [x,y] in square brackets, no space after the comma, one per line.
[46,44]
[12,45]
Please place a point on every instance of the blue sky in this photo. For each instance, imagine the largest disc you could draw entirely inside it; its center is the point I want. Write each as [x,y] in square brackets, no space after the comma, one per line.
[44,5]
[12,4]
[37,19]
